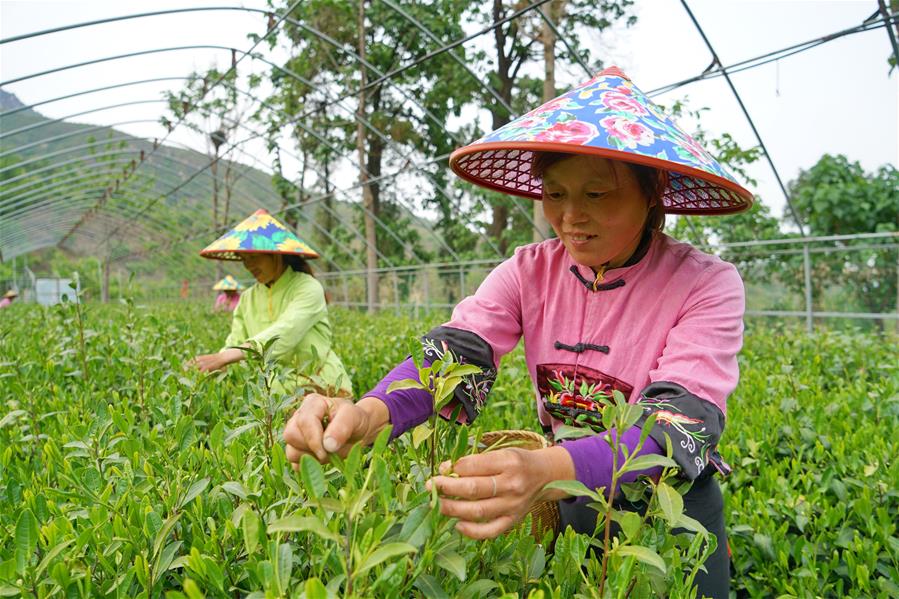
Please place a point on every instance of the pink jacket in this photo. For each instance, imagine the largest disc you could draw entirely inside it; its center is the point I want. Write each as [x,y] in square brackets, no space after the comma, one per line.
[665,331]
[676,315]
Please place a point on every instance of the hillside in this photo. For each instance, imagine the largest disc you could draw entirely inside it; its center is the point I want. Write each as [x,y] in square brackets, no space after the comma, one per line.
[171,191]
[64,157]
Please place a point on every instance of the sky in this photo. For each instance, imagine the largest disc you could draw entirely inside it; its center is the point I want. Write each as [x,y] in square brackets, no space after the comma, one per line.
[836,98]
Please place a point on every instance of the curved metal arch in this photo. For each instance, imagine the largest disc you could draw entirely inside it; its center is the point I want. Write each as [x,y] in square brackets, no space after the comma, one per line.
[154,13]
[67,150]
[56,138]
[78,193]
[370,127]
[141,213]
[69,212]
[56,165]
[353,161]
[43,198]
[48,216]
[16,201]
[252,200]
[115,57]
[323,196]
[286,71]
[445,48]
[40,196]
[272,26]
[86,92]
[367,124]
[433,37]
[48,122]
[164,156]
[115,208]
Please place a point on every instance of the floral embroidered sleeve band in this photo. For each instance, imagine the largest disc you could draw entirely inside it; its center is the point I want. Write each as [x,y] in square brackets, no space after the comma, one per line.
[694,426]
[466,348]
[410,407]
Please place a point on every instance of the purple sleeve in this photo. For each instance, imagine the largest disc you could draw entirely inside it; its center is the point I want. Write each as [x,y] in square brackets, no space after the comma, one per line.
[407,407]
[592,458]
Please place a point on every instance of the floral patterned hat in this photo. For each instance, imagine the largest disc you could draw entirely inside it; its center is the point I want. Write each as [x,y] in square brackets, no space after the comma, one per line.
[229,283]
[607,117]
[261,233]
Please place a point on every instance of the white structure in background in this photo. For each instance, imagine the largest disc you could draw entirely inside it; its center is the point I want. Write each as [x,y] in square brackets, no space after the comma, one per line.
[49,292]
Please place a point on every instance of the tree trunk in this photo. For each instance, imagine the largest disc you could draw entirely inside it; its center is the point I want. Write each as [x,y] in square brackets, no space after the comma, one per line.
[501,117]
[548,36]
[368,199]
[229,185]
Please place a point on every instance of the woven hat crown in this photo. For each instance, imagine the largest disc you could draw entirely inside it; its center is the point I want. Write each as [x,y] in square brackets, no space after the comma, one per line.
[610,118]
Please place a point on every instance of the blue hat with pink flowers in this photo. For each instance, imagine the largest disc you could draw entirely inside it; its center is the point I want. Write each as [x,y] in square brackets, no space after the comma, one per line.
[610,118]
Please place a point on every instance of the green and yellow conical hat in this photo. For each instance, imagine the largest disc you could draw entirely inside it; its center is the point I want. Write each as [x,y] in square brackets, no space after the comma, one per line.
[261,233]
[228,283]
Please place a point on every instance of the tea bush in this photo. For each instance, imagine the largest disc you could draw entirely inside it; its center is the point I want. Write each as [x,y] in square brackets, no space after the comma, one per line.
[122,474]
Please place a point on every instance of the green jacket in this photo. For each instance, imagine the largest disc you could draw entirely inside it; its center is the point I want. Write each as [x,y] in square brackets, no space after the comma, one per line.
[294,310]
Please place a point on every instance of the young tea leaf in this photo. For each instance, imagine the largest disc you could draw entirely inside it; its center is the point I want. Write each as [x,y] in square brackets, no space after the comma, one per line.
[644,555]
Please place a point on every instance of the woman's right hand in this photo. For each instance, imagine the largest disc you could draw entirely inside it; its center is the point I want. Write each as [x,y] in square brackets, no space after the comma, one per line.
[348,423]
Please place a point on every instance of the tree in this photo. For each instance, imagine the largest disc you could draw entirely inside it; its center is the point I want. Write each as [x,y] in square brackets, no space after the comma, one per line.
[837,197]
[342,117]
[517,44]
[216,113]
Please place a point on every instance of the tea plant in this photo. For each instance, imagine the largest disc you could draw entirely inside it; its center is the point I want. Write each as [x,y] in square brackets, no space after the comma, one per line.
[439,380]
[140,482]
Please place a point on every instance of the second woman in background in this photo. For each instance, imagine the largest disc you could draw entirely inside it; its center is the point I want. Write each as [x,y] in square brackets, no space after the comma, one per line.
[286,302]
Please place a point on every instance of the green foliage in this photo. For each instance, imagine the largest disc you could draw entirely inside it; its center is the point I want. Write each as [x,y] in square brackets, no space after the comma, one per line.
[141,480]
[836,197]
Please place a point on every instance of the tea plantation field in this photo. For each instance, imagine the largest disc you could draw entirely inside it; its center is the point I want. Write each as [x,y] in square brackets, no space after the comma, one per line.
[124,475]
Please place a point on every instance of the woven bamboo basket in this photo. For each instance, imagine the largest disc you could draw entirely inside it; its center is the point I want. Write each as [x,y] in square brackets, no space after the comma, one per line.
[545,514]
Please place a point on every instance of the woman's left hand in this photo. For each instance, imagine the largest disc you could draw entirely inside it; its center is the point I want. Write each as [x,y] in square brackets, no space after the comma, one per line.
[495,490]
[219,361]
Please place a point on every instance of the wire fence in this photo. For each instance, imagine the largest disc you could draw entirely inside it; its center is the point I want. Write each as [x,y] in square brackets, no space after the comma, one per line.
[806,279]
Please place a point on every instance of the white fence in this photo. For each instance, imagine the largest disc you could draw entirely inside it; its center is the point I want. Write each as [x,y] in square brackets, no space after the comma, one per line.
[808,278]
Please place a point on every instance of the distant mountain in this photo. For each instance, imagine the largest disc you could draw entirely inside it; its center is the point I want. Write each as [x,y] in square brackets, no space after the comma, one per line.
[9,101]
[170,192]
[174,186]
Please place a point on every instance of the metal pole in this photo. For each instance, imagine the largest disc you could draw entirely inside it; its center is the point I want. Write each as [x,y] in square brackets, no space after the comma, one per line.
[396,293]
[346,292]
[886,20]
[461,283]
[758,136]
[807,268]
[427,290]
[105,289]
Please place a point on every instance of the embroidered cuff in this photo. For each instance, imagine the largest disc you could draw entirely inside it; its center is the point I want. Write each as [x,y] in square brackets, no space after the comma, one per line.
[466,348]
[693,424]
